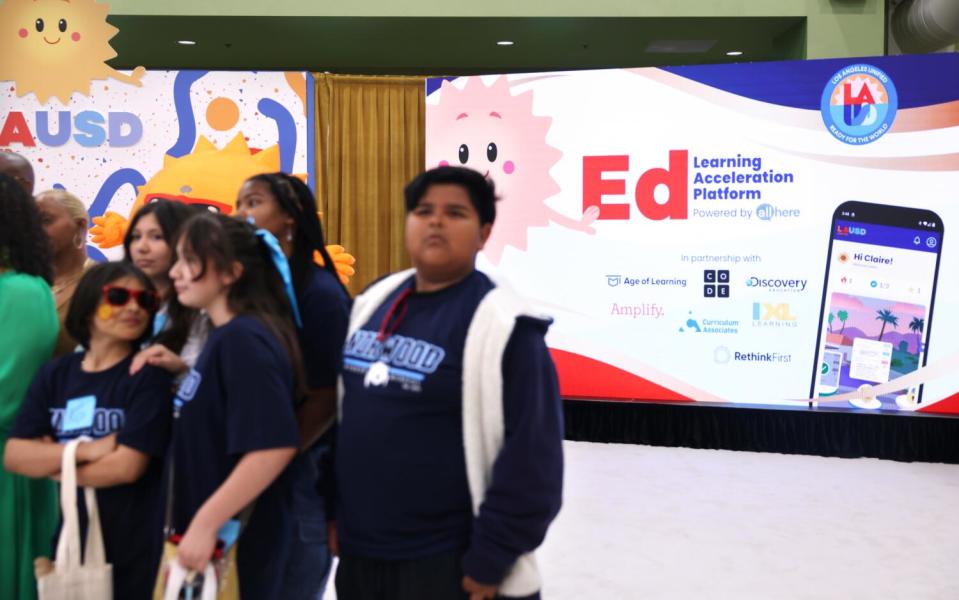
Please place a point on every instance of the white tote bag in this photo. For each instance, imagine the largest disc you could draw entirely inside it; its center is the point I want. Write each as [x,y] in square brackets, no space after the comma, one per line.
[72,579]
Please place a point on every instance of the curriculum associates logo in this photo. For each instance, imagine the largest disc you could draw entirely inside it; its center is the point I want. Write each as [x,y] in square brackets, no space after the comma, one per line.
[859,104]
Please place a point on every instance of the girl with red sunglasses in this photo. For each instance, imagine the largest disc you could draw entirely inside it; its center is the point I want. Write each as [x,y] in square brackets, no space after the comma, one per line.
[91,394]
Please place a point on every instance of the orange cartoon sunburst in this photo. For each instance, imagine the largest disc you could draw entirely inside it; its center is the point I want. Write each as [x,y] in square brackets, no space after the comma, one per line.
[57,47]
[209,177]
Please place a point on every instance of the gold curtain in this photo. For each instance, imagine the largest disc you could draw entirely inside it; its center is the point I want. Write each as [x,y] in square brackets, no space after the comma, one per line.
[369,144]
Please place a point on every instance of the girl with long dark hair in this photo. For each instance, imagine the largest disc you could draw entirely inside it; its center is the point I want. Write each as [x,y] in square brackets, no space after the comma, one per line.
[178,331]
[235,427]
[285,206]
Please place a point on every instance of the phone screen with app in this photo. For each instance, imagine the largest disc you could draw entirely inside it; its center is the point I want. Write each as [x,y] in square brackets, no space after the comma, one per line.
[876,313]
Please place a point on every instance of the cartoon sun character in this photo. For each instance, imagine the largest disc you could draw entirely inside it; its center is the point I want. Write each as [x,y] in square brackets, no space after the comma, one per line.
[57,47]
[491,131]
[207,177]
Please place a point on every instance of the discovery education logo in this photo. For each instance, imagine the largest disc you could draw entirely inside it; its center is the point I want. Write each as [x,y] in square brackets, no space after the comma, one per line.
[859,104]
[777,284]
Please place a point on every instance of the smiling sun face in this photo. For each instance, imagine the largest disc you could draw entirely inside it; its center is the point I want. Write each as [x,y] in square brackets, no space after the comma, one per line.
[56,47]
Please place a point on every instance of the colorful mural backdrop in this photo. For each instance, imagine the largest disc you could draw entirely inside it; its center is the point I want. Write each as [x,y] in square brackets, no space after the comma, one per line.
[193,136]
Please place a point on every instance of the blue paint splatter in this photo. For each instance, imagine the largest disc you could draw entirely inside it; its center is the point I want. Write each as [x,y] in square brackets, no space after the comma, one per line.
[184,112]
[94,253]
[285,129]
[59,186]
[109,188]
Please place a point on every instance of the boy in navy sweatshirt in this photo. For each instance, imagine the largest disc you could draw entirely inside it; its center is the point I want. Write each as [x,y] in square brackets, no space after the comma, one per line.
[449,457]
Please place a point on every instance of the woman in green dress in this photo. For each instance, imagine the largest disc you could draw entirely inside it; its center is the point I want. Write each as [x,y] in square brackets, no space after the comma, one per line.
[28,332]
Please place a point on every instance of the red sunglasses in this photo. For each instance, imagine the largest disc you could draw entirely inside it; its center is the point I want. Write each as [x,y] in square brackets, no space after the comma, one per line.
[119,296]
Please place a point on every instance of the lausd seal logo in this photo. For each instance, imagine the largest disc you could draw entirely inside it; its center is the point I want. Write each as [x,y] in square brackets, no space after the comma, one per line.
[859,104]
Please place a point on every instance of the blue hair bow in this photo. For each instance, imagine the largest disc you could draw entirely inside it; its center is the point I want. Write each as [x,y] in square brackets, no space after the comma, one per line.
[283,267]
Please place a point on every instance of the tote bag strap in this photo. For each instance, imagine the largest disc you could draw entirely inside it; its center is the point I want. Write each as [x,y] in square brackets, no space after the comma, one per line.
[68,546]
[95,553]
[177,578]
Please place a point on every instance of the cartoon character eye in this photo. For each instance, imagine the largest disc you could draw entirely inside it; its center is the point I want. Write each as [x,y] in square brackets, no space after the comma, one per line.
[62,25]
[39,25]
[491,152]
[464,153]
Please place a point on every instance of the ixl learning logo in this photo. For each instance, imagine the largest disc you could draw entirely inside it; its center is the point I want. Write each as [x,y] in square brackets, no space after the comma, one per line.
[859,104]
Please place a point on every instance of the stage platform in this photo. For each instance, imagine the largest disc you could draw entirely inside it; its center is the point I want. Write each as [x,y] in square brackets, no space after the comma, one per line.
[758,428]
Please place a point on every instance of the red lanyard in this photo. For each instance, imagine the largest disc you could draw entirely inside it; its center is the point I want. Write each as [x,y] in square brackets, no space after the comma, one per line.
[397,309]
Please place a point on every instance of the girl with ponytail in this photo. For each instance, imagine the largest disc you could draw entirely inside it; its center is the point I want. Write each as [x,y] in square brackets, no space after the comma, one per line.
[285,206]
[235,426]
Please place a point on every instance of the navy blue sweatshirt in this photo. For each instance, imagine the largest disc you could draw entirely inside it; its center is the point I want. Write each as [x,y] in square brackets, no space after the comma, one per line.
[402,490]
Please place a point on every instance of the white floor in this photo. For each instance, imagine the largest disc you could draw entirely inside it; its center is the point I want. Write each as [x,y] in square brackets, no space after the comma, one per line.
[673,523]
[647,522]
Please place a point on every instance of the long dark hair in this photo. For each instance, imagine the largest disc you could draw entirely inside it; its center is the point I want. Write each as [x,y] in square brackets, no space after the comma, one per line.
[24,246]
[216,241]
[296,200]
[89,294]
[171,216]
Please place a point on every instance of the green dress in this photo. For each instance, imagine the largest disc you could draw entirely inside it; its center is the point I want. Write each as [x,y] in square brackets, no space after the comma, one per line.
[28,507]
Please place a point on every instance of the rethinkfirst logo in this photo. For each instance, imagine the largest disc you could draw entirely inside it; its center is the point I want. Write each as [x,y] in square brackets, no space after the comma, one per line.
[776,284]
[763,357]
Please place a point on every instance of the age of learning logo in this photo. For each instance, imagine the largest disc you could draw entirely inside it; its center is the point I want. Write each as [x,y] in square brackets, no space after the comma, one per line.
[859,104]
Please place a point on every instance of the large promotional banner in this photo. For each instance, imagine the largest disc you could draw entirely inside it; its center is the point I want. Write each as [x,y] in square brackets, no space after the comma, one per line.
[192,136]
[768,234]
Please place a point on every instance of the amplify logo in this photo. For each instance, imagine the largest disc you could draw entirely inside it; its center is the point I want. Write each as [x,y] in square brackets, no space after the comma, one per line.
[777,284]
[716,283]
[637,311]
[768,212]
[859,104]
[766,314]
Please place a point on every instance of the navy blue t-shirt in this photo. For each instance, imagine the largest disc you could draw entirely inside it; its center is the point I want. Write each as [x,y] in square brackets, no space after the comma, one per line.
[239,398]
[401,484]
[402,439]
[325,311]
[137,409]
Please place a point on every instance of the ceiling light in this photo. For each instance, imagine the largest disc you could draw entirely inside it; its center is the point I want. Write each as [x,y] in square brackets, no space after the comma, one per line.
[734,53]
[186,42]
[504,43]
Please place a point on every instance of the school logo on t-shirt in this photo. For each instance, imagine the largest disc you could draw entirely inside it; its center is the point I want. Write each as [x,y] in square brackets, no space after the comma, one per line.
[187,390]
[404,360]
[81,416]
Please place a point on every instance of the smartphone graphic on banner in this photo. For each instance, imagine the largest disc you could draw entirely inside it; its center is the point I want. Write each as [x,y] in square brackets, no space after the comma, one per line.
[876,314]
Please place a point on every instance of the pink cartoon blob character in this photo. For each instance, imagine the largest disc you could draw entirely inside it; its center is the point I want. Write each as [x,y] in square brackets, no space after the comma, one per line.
[491,131]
